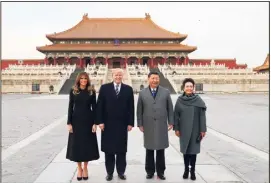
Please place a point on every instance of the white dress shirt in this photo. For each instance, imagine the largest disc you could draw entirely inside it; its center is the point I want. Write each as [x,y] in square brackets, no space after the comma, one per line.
[153,89]
[115,86]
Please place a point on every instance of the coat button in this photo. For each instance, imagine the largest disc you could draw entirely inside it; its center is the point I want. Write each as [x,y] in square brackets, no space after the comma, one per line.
[154,119]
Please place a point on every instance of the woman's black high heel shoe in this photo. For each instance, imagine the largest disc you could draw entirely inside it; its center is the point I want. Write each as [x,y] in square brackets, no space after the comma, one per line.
[79,178]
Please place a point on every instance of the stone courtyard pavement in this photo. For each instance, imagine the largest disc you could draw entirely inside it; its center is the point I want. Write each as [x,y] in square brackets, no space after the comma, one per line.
[235,149]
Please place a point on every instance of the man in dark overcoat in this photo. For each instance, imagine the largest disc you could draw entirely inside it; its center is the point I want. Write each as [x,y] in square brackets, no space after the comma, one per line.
[115,115]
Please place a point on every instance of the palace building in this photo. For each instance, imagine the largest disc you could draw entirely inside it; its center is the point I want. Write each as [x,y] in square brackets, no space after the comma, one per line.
[117,41]
[138,45]
[264,68]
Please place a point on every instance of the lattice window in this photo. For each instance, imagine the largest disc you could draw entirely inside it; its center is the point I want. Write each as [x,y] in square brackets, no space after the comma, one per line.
[35,87]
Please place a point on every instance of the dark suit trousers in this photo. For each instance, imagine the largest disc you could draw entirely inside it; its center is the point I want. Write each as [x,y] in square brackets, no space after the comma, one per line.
[150,165]
[119,158]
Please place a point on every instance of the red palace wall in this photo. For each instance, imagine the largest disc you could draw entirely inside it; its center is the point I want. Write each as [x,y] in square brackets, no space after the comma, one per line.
[6,62]
[230,63]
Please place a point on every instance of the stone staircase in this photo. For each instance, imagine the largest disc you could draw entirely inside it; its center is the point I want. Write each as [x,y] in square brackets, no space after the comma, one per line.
[164,82]
[70,82]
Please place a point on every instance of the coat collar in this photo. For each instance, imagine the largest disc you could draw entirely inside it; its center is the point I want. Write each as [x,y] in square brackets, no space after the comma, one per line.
[157,92]
[114,91]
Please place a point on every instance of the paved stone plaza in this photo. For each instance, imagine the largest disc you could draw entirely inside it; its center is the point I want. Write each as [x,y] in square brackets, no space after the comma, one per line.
[236,148]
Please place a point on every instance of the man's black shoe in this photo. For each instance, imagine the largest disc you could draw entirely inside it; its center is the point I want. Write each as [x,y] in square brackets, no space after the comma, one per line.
[162,177]
[109,177]
[149,176]
[122,177]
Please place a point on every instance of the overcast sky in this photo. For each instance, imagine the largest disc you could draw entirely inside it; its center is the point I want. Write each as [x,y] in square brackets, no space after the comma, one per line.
[218,29]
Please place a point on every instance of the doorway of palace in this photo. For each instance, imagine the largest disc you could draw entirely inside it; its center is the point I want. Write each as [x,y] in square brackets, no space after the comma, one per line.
[145,61]
[50,61]
[87,61]
[116,64]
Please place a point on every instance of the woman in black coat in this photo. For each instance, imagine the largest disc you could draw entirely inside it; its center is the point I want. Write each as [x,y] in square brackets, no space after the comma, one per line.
[190,125]
[82,142]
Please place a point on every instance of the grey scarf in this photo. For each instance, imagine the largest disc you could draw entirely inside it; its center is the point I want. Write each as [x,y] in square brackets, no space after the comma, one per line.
[193,100]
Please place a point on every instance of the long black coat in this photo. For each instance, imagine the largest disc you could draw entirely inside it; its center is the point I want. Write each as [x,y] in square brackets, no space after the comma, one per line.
[82,143]
[116,113]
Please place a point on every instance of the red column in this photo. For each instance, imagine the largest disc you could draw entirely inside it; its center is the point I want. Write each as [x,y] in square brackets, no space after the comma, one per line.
[106,60]
[46,61]
[93,60]
[126,61]
[164,61]
[68,60]
[81,62]
[151,62]
[138,60]
[186,61]
[178,61]
[54,60]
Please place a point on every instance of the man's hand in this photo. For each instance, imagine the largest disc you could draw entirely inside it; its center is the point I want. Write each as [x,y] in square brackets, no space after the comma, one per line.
[69,126]
[101,126]
[141,129]
[202,134]
[129,128]
[94,128]
[177,133]
[170,127]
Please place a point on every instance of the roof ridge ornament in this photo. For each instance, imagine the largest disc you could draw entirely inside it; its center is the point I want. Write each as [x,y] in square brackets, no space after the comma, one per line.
[85,16]
[147,16]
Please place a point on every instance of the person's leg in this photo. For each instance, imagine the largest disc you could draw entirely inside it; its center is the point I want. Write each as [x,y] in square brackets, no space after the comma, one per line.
[149,163]
[85,170]
[160,162]
[109,163]
[193,159]
[121,163]
[186,158]
[79,171]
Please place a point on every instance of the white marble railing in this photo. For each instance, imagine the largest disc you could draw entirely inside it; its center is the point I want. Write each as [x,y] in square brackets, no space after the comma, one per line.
[212,77]
[173,84]
[40,67]
[105,75]
[128,76]
[38,71]
[94,72]
[61,83]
